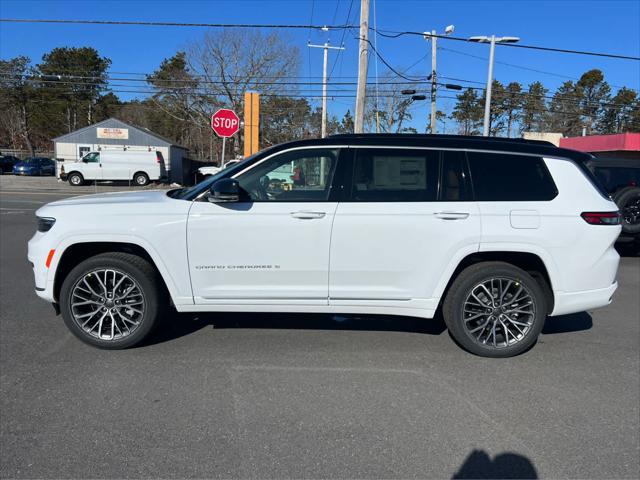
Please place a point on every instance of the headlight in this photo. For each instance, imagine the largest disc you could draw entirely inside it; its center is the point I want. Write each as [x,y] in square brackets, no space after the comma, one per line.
[45,224]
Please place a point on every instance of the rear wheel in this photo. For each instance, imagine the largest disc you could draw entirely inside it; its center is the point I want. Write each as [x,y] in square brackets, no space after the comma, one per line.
[75,179]
[628,201]
[141,179]
[494,309]
[112,300]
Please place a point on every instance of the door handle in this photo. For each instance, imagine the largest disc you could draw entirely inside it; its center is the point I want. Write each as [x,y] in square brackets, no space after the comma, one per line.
[307,215]
[451,215]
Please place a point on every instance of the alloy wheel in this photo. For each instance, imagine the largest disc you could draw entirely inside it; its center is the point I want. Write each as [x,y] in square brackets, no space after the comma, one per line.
[107,304]
[631,212]
[498,312]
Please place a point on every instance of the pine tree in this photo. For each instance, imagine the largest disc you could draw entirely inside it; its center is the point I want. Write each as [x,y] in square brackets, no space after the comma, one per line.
[534,108]
[617,115]
[468,112]
[594,92]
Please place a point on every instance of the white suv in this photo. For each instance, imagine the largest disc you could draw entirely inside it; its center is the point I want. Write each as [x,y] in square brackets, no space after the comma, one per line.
[497,234]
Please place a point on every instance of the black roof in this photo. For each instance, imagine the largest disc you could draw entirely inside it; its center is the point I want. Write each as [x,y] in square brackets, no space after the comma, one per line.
[511,145]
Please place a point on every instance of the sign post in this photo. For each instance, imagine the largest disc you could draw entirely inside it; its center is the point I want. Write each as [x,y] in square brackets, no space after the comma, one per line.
[225,123]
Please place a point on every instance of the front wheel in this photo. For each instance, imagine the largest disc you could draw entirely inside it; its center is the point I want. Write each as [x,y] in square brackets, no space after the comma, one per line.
[75,179]
[112,300]
[494,309]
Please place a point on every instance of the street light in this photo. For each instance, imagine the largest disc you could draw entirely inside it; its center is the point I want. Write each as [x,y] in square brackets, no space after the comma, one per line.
[487,102]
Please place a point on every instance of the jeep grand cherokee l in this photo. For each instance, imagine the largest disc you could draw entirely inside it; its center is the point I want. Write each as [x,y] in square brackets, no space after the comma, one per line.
[498,234]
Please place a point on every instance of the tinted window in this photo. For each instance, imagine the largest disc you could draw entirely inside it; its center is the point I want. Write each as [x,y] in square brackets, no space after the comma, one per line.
[297,176]
[615,178]
[93,157]
[395,175]
[506,177]
[454,185]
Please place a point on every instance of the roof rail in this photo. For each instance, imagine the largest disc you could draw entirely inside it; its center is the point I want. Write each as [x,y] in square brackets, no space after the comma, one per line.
[427,136]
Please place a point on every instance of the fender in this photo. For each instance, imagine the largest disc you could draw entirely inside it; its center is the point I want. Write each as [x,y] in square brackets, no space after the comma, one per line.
[462,254]
[545,257]
[178,297]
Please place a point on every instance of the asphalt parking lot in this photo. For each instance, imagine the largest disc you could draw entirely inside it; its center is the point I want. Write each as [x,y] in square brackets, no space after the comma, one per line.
[308,396]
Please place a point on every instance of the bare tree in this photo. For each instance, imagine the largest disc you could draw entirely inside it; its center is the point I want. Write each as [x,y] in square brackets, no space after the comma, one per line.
[391,109]
[230,62]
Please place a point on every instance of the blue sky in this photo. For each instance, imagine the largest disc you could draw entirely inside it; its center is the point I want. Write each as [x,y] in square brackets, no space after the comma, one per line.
[604,26]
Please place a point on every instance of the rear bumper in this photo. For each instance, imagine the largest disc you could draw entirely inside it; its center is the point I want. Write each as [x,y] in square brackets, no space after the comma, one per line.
[573,302]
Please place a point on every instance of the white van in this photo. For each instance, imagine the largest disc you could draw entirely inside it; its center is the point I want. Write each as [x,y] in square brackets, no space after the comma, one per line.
[141,167]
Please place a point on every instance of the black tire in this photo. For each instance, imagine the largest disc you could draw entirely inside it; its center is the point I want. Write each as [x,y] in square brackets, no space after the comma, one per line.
[75,179]
[462,287]
[628,202]
[616,194]
[154,298]
[141,179]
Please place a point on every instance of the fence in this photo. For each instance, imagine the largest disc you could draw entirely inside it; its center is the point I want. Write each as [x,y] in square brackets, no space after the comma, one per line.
[21,154]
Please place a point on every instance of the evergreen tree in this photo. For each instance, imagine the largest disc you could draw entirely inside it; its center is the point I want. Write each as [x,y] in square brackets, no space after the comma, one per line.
[594,92]
[534,108]
[617,116]
[468,112]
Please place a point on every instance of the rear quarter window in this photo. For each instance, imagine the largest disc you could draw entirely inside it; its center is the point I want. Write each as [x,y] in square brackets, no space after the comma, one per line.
[499,177]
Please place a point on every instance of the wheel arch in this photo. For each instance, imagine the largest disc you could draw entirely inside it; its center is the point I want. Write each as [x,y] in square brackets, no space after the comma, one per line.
[530,262]
[77,252]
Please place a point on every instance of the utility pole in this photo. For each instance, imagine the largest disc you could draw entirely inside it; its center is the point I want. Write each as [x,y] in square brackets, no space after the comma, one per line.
[363,63]
[326,48]
[492,40]
[433,36]
[434,85]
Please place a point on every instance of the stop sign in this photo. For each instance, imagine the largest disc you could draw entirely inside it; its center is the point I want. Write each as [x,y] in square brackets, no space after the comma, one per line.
[225,122]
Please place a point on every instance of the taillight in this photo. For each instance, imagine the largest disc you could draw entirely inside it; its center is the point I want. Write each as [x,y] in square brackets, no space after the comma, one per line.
[601,218]
[158,158]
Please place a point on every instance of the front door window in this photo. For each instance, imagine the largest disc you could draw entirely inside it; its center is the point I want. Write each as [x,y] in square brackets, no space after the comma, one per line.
[297,176]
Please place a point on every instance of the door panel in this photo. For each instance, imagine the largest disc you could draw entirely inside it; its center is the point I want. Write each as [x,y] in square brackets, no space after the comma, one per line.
[90,167]
[273,246]
[393,252]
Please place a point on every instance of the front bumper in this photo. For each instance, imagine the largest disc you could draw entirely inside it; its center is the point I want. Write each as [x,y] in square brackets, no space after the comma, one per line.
[38,250]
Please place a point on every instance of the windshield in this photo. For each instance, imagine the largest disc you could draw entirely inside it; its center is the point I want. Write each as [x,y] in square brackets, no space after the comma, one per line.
[192,192]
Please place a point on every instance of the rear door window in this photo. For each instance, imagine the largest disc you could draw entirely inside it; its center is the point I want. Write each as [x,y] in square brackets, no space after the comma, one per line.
[454,178]
[394,175]
[499,177]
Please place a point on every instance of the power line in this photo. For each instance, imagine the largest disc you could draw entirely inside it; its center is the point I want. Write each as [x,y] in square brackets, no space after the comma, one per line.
[176,24]
[201,90]
[390,67]
[522,67]
[344,31]
[391,34]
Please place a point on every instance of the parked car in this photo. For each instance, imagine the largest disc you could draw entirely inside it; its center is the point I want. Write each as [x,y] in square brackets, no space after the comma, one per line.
[138,166]
[496,234]
[621,179]
[35,166]
[211,170]
[7,162]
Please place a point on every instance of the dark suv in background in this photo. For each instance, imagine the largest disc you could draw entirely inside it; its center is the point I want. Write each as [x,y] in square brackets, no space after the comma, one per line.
[621,178]
[7,162]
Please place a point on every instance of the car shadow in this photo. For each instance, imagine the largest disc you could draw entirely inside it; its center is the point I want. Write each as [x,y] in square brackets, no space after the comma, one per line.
[574,322]
[178,325]
[505,465]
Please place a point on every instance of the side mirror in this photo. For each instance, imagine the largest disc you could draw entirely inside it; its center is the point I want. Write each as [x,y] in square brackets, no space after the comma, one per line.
[224,190]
